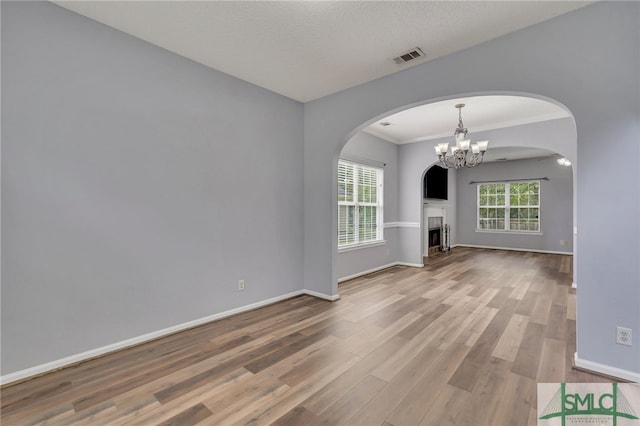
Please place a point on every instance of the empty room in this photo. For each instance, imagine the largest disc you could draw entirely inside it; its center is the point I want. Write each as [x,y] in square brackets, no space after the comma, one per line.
[318,212]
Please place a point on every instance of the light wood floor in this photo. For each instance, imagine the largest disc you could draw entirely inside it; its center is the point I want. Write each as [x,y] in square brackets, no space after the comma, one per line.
[462,341]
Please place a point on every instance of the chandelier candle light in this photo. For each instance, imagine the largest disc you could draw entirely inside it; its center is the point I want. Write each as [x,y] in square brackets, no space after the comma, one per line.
[459,156]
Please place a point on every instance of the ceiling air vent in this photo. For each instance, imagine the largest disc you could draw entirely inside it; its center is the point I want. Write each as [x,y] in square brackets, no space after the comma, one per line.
[411,55]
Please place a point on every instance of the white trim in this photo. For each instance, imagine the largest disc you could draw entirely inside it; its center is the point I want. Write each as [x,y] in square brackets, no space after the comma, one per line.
[606,369]
[381,135]
[352,158]
[368,244]
[94,353]
[574,285]
[413,265]
[498,231]
[402,225]
[368,271]
[567,253]
[378,268]
[428,202]
[322,295]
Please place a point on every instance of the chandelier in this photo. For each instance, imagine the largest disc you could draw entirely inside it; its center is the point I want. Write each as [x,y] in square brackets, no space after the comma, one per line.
[460,155]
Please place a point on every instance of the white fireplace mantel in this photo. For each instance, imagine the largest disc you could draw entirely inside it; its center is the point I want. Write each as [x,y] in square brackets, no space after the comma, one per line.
[431,210]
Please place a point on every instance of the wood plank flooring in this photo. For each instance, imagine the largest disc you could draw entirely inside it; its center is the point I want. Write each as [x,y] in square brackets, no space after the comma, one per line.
[462,341]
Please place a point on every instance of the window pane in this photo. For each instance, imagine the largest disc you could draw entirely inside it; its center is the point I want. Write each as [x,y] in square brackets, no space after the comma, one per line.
[367,188]
[346,226]
[368,223]
[359,210]
[345,182]
[523,200]
[534,200]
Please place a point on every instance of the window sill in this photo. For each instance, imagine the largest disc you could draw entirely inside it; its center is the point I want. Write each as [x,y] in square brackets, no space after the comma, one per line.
[352,247]
[495,231]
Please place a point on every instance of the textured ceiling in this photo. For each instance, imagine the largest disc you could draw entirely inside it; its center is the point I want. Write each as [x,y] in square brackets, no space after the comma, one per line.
[309,49]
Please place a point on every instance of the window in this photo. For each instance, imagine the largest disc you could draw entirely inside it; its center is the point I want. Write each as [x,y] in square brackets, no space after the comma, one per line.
[509,206]
[359,204]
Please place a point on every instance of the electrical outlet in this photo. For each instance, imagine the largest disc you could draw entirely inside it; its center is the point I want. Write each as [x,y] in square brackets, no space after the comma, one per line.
[564,242]
[623,336]
[241,285]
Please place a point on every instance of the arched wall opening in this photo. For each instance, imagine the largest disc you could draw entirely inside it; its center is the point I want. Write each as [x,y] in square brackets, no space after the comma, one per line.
[606,117]
[408,223]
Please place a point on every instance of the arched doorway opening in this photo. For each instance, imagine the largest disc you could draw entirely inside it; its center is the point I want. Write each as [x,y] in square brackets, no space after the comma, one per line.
[404,221]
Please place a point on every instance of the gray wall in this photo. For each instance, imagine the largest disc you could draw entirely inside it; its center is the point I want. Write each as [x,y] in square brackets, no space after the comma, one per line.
[588,61]
[415,159]
[363,147]
[556,204]
[124,209]
[137,188]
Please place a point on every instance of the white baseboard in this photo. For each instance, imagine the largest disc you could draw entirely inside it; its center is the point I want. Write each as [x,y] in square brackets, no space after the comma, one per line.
[413,265]
[606,369]
[322,295]
[566,253]
[94,353]
[368,271]
[378,268]
[574,285]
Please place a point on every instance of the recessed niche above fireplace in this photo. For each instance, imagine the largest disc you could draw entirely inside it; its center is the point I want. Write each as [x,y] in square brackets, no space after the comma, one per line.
[436,183]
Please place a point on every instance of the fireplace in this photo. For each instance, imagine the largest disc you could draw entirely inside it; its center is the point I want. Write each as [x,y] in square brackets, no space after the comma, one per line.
[434,237]
[435,234]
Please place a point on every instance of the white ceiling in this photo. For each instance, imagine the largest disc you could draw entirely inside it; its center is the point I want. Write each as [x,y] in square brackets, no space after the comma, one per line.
[440,119]
[309,49]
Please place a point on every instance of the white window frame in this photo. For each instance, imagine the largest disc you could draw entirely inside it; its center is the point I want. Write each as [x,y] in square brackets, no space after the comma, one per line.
[507,207]
[379,238]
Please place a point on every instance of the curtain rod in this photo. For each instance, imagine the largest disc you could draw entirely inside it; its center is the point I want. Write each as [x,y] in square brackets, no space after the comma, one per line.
[363,160]
[506,180]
